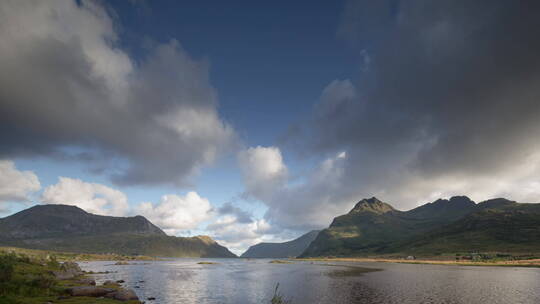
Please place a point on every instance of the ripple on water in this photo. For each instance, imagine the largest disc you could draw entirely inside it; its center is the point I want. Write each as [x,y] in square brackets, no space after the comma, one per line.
[241,281]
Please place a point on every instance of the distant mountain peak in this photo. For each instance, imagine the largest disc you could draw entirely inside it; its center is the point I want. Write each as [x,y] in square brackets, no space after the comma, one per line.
[496,203]
[456,224]
[461,199]
[54,208]
[70,228]
[372,205]
[68,220]
[455,200]
[288,249]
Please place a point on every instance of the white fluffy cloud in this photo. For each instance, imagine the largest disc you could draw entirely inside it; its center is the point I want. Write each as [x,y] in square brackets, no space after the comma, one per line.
[156,113]
[305,204]
[92,197]
[175,213]
[237,236]
[263,170]
[16,185]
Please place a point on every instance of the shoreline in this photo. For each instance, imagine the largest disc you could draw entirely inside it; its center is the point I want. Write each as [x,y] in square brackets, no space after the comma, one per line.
[40,278]
[75,257]
[425,261]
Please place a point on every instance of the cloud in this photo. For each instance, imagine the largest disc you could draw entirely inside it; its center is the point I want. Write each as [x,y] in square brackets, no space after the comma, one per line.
[238,236]
[262,170]
[313,202]
[15,185]
[241,216]
[91,197]
[67,85]
[237,229]
[176,213]
[449,105]
[298,205]
[173,213]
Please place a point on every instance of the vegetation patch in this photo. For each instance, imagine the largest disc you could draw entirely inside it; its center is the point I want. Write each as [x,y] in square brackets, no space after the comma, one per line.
[281,262]
[36,280]
[70,256]
[278,298]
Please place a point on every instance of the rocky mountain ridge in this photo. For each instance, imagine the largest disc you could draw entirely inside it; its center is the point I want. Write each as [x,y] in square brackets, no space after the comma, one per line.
[373,227]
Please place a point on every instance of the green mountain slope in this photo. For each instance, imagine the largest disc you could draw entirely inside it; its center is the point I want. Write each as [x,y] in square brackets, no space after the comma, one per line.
[509,228]
[46,221]
[458,224]
[69,228]
[281,250]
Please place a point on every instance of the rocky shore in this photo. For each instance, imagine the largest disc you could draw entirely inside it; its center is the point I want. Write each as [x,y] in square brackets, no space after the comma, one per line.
[43,280]
[79,285]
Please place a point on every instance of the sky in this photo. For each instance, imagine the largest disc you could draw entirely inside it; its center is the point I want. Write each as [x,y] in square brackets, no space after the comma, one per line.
[258,121]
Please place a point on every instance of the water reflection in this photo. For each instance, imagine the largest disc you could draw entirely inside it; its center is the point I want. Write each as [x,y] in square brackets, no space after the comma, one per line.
[253,281]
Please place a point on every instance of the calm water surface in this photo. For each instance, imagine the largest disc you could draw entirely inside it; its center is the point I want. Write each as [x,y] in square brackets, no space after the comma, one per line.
[252,281]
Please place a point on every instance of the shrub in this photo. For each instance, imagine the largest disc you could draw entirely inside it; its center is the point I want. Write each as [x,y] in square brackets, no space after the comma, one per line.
[278,297]
[53,263]
[7,269]
[7,265]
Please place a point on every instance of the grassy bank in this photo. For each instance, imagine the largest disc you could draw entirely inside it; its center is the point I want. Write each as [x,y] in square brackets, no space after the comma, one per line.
[434,261]
[31,279]
[68,256]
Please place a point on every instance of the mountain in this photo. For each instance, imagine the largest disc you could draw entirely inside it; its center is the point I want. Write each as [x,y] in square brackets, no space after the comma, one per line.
[497,225]
[69,228]
[443,226]
[281,250]
[48,221]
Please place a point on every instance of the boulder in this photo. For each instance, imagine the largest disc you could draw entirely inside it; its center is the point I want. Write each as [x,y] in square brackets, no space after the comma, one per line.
[71,266]
[123,295]
[86,281]
[68,270]
[89,291]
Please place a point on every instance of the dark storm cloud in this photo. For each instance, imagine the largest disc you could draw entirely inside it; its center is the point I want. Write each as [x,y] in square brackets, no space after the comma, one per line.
[460,78]
[241,216]
[65,85]
[449,104]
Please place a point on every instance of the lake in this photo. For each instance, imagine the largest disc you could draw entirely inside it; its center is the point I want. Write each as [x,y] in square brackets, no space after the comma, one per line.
[253,281]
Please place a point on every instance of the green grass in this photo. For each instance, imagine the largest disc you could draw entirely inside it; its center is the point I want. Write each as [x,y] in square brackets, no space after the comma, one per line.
[28,280]
[21,275]
[132,245]
[280,262]
[71,256]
